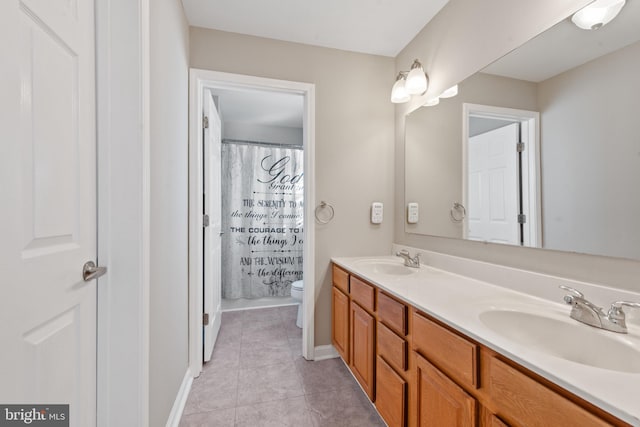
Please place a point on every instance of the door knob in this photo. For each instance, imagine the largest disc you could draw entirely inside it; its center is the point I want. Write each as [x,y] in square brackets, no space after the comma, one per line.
[90,271]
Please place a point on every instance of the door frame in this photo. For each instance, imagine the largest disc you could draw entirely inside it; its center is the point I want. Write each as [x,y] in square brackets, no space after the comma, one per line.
[532,233]
[123,161]
[200,79]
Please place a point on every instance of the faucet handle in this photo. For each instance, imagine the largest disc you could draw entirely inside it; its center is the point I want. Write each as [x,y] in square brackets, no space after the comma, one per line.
[617,316]
[568,298]
[616,312]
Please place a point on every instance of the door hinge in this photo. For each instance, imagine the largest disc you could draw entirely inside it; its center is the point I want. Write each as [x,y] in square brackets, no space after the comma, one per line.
[520,147]
[205,220]
[522,219]
[205,319]
[205,122]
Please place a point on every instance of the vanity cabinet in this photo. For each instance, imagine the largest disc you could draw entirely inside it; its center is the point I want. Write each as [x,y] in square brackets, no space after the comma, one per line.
[353,326]
[340,312]
[440,401]
[420,371]
[363,329]
[340,323]
[393,376]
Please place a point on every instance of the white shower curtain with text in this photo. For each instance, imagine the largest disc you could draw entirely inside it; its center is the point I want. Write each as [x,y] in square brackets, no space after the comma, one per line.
[262,219]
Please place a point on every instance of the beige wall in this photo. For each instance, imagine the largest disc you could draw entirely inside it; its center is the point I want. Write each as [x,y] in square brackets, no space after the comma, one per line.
[462,39]
[354,139]
[168,358]
[591,157]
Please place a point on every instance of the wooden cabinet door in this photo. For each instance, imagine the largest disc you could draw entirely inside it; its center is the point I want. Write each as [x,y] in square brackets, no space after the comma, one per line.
[340,323]
[391,395]
[441,402]
[363,332]
[496,422]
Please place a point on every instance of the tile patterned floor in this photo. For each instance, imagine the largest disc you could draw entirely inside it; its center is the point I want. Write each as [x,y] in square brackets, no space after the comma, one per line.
[257,377]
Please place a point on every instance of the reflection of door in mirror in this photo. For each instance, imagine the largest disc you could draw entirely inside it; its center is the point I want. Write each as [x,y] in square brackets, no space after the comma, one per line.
[500,175]
[494,185]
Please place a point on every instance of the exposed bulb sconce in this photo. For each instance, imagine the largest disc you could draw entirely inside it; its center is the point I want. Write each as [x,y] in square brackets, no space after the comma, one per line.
[399,91]
[597,14]
[413,82]
[416,79]
[450,93]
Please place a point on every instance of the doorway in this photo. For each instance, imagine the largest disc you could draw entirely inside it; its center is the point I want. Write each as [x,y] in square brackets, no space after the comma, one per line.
[501,178]
[220,85]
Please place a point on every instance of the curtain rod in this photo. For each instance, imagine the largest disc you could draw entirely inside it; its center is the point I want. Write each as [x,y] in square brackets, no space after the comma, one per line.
[269,144]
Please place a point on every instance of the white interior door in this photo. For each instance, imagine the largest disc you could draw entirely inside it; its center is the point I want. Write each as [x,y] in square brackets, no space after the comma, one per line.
[492,214]
[212,293]
[48,208]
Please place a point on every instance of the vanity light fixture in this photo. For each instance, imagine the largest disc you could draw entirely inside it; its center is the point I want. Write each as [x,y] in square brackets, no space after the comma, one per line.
[597,14]
[412,82]
[450,93]
[399,92]
[416,83]
[432,102]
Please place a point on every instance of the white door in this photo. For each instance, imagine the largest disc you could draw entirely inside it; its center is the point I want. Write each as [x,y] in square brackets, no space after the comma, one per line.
[48,205]
[212,292]
[493,188]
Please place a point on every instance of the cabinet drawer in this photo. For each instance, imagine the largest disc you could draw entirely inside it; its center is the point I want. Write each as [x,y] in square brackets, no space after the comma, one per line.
[524,401]
[450,352]
[392,347]
[392,313]
[391,395]
[340,279]
[363,293]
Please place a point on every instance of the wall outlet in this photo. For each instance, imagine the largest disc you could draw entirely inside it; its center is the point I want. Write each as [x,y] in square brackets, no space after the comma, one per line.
[376,212]
[413,213]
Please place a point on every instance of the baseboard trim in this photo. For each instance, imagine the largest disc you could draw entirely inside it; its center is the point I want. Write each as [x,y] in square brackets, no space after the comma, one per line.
[323,352]
[181,400]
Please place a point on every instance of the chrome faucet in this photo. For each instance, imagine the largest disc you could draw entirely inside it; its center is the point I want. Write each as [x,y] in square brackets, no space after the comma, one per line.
[586,312]
[408,260]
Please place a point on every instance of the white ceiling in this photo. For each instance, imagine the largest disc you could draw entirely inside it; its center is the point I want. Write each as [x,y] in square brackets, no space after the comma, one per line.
[379,27]
[259,107]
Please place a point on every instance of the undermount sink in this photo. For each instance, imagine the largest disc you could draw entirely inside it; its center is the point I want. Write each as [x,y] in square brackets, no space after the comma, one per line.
[568,339]
[386,266]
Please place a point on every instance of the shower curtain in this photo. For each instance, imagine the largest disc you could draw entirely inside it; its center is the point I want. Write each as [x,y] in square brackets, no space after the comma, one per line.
[262,219]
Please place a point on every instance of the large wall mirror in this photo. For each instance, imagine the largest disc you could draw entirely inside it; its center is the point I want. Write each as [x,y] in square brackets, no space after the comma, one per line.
[539,149]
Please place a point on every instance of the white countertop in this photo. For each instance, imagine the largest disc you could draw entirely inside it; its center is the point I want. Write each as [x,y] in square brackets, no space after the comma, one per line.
[458,301]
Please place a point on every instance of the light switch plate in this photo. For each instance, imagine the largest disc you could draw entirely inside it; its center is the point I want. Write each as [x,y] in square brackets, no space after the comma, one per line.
[376,212]
[413,213]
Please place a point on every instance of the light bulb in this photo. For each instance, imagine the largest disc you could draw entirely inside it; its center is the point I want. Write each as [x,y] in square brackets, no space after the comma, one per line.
[416,79]
[399,92]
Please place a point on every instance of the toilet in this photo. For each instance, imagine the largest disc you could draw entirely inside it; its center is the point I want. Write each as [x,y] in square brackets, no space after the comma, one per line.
[297,288]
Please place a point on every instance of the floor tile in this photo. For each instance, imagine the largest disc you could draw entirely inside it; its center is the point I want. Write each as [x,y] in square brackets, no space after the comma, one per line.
[219,418]
[347,407]
[324,375]
[257,377]
[288,412]
[213,389]
[269,383]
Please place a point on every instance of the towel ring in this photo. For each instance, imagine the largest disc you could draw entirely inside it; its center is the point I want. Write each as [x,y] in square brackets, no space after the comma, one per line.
[458,207]
[319,208]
